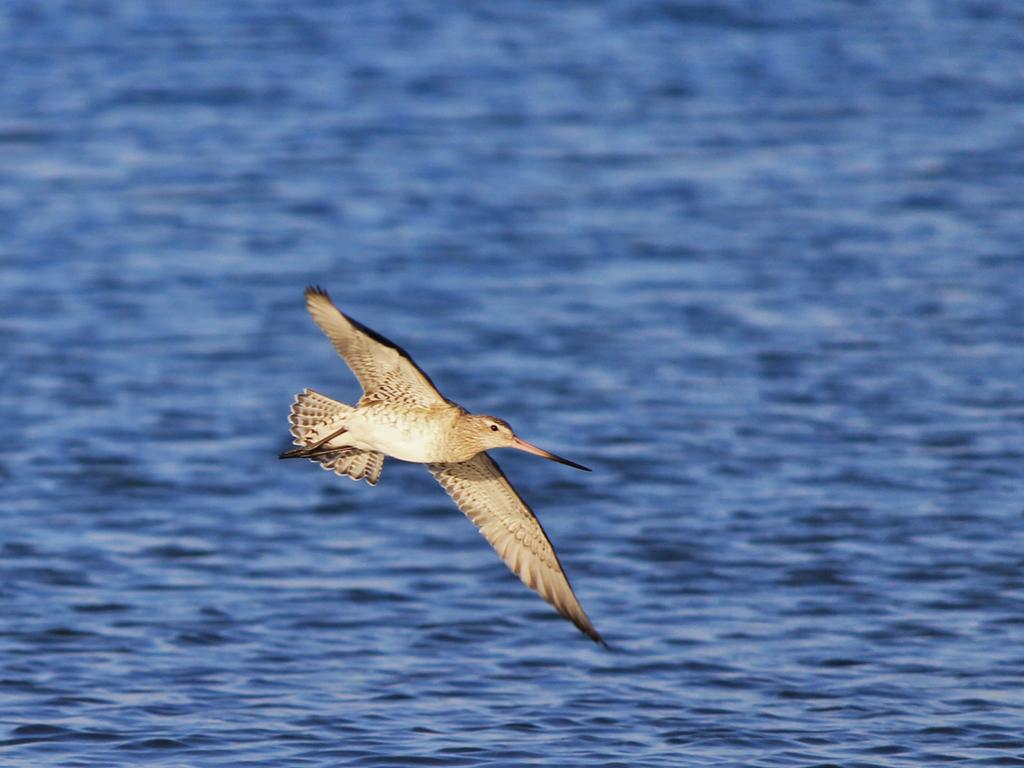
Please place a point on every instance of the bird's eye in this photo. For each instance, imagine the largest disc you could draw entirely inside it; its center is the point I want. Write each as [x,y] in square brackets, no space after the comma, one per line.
[494,427]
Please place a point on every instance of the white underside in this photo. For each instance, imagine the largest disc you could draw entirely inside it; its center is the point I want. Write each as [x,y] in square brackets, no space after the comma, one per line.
[408,441]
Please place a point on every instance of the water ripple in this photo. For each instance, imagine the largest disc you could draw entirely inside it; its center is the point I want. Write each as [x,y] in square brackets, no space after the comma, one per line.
[760,268]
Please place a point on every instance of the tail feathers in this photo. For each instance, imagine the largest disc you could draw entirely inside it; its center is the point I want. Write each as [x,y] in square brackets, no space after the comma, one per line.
[314,416]
[351,462]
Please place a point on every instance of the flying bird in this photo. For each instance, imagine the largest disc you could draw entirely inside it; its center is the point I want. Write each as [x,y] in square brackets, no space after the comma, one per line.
[401,414]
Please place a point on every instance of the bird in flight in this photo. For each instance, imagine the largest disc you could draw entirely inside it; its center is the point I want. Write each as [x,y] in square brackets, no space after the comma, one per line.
[401,414]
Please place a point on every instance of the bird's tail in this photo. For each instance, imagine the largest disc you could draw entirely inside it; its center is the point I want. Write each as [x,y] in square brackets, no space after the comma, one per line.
[316,420]
[315,416]
[354,463]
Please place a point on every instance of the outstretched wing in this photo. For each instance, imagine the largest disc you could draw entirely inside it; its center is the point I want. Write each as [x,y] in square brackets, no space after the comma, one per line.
[385,370]
[487,498]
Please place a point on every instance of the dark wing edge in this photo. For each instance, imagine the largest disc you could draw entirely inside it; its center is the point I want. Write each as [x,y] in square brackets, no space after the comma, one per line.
[316,290]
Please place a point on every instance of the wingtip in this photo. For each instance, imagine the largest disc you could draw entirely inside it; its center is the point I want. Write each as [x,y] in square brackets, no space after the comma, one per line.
[593,634]
[316,290]
[582,622]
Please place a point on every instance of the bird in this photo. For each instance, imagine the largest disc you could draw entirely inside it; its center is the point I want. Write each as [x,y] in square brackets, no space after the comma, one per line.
[402,414]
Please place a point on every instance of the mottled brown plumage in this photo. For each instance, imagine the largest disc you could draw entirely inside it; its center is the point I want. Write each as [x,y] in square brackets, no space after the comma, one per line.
[401,414]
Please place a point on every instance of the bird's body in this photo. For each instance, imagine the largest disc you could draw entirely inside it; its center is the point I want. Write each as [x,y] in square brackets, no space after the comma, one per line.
[401,414]
[411,433]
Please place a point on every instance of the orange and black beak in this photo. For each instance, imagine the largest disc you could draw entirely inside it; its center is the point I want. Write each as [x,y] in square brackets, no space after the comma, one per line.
[522,445]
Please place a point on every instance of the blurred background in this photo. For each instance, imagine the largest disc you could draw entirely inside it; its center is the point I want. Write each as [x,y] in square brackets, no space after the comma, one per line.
[758,264]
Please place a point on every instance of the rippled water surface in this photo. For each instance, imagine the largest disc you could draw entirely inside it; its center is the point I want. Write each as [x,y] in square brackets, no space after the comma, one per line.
[759,264]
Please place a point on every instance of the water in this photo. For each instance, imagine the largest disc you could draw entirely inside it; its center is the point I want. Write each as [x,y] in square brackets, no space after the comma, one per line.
[758,264]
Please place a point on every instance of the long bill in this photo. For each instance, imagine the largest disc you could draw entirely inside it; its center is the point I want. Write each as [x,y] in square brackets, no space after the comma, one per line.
[522,445]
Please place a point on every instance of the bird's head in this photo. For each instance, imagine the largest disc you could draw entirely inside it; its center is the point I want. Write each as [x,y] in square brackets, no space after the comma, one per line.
[491,432]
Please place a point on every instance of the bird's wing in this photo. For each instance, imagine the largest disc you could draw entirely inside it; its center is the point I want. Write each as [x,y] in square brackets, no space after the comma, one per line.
[487,498]
[385,370]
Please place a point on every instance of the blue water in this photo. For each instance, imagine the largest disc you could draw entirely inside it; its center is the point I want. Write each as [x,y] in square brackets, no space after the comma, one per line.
[759,264]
